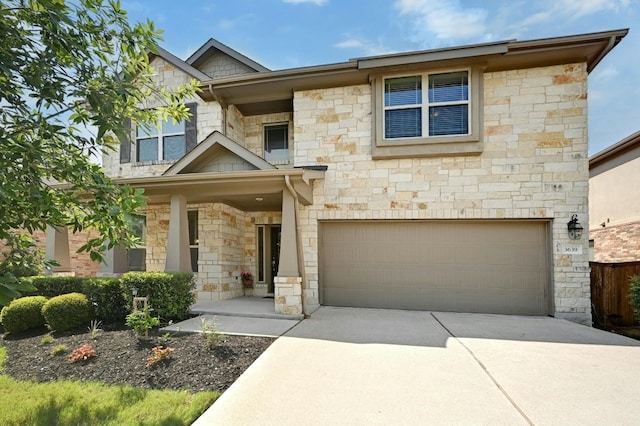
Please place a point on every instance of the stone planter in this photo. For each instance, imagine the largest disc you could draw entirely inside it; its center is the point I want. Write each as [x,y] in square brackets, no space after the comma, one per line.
[247,283]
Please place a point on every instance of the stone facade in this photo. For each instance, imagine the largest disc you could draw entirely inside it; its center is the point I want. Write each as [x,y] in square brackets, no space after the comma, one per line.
[220,65]
[534,166]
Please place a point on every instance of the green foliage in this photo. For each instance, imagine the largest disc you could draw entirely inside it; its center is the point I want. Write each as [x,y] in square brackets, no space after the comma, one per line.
[11,288]
[46,340]
[23,314]
[107,297]
[21,257]
[51,286]
[66,67]
[171,294]
[82,403]
[94,329]
[68,311]
[142,321]
[634,295]
[209,333]
[58,350]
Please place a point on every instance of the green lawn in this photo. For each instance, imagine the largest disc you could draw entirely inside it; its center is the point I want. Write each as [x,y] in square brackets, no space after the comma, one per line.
[76,403]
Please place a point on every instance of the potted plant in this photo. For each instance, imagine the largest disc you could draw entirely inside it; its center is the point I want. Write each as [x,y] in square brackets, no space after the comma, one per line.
[247,279]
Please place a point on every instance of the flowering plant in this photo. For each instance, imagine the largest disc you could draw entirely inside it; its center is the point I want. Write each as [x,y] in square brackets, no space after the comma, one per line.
[246,275]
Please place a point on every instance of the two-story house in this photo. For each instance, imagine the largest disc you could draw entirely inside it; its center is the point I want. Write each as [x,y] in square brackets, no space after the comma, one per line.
[433,180]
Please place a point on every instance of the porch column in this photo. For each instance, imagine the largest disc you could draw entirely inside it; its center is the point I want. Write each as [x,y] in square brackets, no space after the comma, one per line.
[288,283]
[178,254]
[57,248]
[115,262]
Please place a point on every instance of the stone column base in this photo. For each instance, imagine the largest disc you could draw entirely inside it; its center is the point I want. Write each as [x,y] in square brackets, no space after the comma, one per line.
[288,295]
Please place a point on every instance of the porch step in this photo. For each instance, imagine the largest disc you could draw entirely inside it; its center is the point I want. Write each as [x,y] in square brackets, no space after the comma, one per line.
[222,312]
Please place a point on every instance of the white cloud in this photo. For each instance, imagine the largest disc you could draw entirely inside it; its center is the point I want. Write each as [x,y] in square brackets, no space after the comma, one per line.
[347,44]
[316,2]
[446,19]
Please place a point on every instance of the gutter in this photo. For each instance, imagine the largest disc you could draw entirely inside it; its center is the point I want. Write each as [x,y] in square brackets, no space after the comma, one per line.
[300,251]
[602,54]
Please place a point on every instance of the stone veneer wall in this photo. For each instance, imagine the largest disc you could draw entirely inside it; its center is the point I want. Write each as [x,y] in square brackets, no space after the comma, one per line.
[254,130]
[534,166]
[219,65]
[209,119]
[617,243]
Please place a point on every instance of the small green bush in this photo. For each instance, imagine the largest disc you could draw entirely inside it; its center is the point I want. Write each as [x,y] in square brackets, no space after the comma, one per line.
[170,294]
[51,286]
[23,313]
[68,311]
[107,297]
[634,295]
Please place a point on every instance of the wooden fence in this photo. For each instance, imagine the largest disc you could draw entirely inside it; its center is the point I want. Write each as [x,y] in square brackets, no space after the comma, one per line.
[610,284]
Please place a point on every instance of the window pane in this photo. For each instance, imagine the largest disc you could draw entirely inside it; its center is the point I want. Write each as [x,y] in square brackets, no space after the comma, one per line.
[147,149]
[171,126]
[403,123]
[192,218]
[403,91]
[139,228]
[194,259]
[261,254]
[174,147]
[453,86]
[448,120]
[136,259]
[143,131]
[276,137]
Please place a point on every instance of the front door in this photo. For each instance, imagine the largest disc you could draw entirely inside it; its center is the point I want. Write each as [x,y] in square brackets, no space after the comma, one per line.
[274,253]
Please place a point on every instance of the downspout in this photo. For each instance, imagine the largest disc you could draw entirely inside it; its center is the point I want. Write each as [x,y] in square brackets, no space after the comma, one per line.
[303,274]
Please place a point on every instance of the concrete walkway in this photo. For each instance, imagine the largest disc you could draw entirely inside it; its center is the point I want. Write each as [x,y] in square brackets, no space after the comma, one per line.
[348,366]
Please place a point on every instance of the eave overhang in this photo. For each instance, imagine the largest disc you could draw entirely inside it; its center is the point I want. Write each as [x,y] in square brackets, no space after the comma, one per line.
[259,190]
[268,92]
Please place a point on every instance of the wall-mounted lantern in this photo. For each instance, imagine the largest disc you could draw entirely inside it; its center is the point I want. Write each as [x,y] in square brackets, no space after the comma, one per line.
[574,228]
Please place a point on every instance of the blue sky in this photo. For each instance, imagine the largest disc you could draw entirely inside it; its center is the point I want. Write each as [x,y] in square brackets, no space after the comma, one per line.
[292,33]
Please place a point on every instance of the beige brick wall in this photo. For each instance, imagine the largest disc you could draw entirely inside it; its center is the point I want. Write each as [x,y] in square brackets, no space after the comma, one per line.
[254,130]
[534,166]
[617,243]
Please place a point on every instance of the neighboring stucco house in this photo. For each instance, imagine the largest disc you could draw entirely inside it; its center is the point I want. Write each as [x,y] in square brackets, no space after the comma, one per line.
[614,202]
[434,180]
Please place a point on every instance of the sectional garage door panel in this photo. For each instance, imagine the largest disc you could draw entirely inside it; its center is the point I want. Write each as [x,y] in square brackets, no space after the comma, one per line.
[483,266]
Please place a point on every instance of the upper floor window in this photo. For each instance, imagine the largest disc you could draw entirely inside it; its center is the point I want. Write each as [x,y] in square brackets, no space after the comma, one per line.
[443,112]
[163,142]
[276,143]
[431,113]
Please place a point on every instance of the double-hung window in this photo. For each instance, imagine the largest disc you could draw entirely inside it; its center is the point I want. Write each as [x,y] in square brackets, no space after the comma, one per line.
[163,142]
[276,143]
[428,113]
[444,111]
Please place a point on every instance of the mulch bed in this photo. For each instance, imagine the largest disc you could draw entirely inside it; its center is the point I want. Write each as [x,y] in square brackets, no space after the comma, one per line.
[121,359]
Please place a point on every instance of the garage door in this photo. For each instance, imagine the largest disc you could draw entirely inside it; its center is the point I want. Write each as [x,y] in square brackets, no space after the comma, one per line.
[460,266]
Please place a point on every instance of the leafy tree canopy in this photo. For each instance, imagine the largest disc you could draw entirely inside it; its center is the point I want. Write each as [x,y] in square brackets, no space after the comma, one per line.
[66,66]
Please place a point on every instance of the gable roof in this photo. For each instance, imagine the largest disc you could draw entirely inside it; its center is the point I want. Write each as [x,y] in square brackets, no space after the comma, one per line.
[180,64]
[208,149]
[212,45]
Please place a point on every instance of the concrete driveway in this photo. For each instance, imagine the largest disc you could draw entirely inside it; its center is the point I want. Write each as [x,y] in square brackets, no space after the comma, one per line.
[347,366]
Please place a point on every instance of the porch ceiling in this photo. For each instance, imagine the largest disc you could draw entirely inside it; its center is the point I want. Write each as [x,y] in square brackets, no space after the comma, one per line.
[259,190]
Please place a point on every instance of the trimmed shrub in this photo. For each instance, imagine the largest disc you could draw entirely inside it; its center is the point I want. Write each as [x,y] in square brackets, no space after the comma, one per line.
[23,313]
[107,298]
[170,294]
[55,286]
[68,311]
[634,295]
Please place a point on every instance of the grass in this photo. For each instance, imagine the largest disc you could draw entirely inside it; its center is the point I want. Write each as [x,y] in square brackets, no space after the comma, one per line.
[78,403]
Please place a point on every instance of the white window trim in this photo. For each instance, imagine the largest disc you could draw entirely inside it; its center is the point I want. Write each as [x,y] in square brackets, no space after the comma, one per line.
[428,146]
[286,124]
[160,136]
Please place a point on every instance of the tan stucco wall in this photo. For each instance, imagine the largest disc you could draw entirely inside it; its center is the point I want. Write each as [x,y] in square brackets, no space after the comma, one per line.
[534,165]
[614,209]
